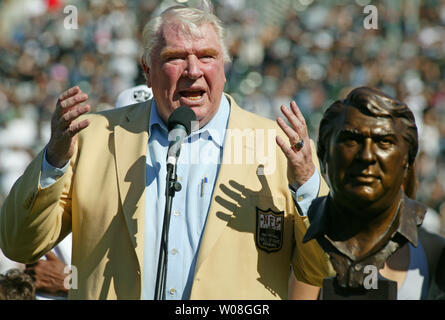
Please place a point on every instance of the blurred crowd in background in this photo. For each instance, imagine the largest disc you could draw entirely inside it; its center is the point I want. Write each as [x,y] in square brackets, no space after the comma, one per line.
[310,51]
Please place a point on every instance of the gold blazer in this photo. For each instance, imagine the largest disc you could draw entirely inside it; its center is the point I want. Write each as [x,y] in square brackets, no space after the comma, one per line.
[251,238]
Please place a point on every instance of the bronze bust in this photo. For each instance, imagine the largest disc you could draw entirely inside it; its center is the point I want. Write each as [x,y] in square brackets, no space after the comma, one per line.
[367,145]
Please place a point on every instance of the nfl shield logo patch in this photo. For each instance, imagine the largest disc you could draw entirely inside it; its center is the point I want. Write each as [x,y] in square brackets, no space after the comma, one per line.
[269,229]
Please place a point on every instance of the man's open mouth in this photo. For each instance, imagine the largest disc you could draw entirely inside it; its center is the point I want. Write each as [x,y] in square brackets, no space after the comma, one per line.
[192,94]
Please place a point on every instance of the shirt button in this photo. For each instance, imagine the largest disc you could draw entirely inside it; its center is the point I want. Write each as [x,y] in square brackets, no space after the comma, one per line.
[176,213]
[174,251]
[357,267]
[300,198]
[172,291]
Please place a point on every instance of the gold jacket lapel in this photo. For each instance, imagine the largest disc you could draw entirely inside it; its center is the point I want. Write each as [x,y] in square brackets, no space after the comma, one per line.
[130,142]
[215,225]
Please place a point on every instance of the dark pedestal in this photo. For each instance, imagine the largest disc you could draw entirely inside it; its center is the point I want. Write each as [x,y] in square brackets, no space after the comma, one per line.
[386,290]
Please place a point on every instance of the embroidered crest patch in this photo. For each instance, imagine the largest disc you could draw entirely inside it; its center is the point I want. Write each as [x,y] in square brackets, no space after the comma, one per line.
[269,229]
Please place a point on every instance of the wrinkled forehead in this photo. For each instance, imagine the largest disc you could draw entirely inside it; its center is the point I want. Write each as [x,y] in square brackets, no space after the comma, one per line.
[176,38]
[184,29]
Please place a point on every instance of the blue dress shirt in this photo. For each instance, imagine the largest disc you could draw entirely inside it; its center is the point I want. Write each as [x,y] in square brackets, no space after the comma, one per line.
[197,174]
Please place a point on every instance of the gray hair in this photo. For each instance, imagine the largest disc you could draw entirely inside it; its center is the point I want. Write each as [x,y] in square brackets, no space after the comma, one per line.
[189,19]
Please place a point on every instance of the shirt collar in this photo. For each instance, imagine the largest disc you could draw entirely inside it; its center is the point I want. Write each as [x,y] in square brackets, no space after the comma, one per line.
[155,118]
[317,216]
[215,128]
[411,216]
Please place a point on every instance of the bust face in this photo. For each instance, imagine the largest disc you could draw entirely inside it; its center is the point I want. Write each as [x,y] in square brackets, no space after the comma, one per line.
[367,161]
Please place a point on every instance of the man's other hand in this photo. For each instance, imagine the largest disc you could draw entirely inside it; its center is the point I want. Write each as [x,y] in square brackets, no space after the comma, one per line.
[64,127]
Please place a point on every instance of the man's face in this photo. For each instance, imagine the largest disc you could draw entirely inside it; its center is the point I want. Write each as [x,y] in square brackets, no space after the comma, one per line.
[367,161]
[187,71]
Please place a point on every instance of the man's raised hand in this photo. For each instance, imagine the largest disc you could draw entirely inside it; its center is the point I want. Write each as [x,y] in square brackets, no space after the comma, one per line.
[297,149]
[64,127]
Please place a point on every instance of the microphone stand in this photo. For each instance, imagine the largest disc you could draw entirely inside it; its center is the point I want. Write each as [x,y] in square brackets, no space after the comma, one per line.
[171,187]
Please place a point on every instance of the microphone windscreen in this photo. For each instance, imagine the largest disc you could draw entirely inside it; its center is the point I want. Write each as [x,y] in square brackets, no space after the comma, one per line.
[182,116]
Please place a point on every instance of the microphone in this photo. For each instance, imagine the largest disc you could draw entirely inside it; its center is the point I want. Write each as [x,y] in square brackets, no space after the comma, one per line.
[179,126]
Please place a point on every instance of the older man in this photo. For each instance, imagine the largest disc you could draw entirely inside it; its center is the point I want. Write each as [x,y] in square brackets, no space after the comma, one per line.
[235,228]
